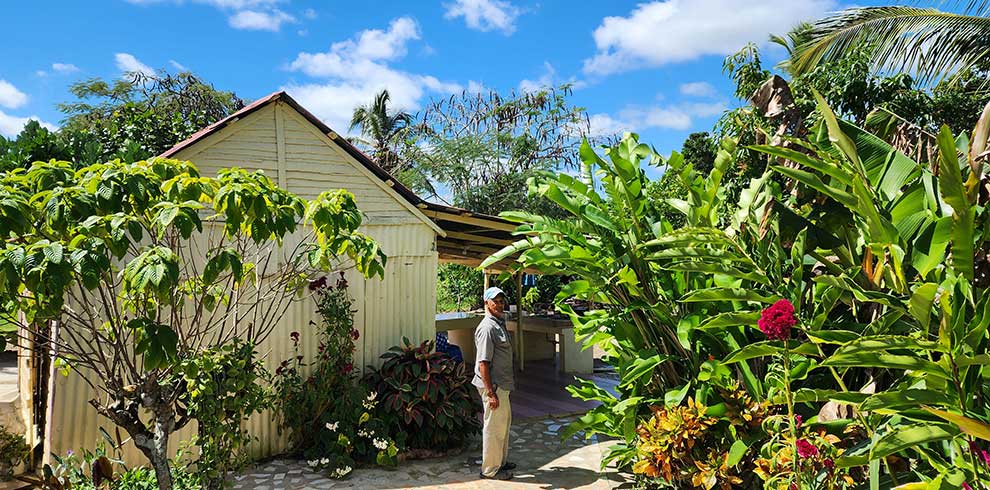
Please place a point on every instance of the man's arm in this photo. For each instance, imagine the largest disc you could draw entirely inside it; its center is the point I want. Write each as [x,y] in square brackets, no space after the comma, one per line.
[484,369]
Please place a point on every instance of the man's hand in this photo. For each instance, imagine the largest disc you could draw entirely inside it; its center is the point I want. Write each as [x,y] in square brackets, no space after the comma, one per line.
[492,400]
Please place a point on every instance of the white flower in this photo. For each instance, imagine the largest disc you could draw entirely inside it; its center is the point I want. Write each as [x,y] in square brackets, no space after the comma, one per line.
[325,461]
[333,426]
[381,444]
[313,463]
[372,396]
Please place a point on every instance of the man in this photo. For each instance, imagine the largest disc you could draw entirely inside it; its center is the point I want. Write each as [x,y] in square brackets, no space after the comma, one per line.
[493,378]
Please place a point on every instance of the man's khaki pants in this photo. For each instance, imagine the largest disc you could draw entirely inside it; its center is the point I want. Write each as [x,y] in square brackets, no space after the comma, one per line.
[495,433]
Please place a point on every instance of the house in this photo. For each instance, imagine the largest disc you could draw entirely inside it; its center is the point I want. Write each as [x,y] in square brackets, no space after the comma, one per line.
[276,135]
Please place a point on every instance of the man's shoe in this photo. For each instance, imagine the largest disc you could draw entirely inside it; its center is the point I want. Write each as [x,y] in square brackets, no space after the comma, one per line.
[501,475]
[507,466]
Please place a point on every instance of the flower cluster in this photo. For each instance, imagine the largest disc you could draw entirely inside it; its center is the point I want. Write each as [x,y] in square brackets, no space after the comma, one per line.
[380,444]
[341,472]
[776,321]
[332,427]
[369,403]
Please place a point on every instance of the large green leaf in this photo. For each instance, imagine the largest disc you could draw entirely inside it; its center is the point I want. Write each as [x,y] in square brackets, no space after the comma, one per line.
[950,183]
[727,294]
[906,436]
[905,398]
[973,427]
[886,361]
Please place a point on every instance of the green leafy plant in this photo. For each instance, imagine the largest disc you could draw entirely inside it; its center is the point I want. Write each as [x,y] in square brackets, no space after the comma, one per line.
[224,386]
[425,395]
[329,416]
[127,269]
[13,451]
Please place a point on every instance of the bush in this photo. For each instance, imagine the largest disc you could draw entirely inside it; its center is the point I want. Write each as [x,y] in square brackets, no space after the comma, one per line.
[327,414]
[426,395]
[94,470]
[223,389]
[13,450]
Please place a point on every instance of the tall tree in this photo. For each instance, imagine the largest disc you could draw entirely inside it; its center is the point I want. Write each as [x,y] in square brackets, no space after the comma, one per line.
[931,42]
[382,131]
[482,147]
[139,115]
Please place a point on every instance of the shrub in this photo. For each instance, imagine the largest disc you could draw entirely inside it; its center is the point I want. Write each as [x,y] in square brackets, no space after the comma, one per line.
[98,470]
[327,414]
[426,395]
[223,389]
[13,450]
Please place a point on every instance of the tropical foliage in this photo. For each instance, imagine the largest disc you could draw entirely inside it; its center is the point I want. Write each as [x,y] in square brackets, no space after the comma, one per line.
[426,397]
[845,293]
[901,38]
[127,270]
[383,131]
[328,414]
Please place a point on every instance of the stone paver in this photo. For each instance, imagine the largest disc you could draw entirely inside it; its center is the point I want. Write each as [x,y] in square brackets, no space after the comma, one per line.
[544,462]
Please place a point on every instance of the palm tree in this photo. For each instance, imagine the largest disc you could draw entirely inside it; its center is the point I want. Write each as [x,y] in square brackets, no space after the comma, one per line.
[381,130]
[928,42]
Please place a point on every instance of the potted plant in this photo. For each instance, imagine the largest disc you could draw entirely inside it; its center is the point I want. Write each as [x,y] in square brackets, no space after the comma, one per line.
[13,450]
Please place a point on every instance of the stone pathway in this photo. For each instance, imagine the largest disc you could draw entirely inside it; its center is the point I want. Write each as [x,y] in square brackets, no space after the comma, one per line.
[544,462]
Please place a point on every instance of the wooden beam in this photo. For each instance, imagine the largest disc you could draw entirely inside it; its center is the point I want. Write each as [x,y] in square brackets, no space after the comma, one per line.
[470,220]
[478,239]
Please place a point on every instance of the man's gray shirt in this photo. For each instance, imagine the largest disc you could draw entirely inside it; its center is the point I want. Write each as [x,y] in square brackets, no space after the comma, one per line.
[491,340]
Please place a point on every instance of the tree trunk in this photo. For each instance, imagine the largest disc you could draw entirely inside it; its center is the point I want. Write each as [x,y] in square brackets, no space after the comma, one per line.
[154,444]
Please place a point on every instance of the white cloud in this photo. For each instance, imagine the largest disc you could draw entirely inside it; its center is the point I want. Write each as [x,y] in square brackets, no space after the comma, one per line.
[10,97]
[127,63]
[11,125]
[255,20]
[64,68]
[177,65]
[677,117]
[671,31]
[545,80]
[474,87]
[485,15]
[358,68]
[698,89]
[606,125]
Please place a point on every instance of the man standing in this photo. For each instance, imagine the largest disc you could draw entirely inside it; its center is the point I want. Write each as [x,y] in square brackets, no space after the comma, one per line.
[493,378]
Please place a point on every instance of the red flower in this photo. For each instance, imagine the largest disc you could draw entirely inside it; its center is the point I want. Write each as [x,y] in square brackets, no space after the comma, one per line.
[776,321]
[806,449]
[797,422]
[829,464]
[318,284]
[347,368]
[355,334]
[294,336]
[966,486]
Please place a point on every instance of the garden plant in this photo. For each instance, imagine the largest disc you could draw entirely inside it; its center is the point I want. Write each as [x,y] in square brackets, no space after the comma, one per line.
[829,331]
[132,272]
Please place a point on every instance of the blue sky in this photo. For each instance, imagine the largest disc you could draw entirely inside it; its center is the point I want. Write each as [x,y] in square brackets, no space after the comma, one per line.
[650,67]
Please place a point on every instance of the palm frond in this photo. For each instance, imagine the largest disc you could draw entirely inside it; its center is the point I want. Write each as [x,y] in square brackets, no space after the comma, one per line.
[927,42]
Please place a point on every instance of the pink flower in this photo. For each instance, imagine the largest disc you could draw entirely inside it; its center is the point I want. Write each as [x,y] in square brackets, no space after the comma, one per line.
[797,422]
[829,464]
[966,486]
[776,321]
[347,368]
[806,449]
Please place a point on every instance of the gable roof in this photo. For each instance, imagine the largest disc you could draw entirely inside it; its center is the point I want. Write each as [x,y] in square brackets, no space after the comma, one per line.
[411,199]
[465,236]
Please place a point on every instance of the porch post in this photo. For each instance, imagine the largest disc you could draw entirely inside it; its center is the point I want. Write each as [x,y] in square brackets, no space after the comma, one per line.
[519,322]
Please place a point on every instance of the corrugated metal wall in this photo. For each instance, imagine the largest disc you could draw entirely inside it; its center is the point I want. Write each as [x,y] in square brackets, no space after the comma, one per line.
[403,304]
